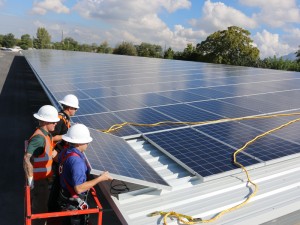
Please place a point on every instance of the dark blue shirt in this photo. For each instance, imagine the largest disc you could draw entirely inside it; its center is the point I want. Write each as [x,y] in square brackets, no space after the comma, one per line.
[75,169]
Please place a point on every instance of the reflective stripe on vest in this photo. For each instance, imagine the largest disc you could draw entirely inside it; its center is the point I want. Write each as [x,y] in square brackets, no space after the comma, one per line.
[66,122]
[42,165]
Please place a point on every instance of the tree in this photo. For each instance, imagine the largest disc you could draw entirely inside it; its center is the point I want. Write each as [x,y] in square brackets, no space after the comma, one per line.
[1,39]
[104,48]
[9,40]
[298,55]
[125,48]
[43,39]
[190,53]
[25,42]
[149,50]
[231,46]
[169,54]
[70,44]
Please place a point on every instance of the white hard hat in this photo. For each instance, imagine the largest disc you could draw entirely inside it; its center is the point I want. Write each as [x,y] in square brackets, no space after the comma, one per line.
[78,134]
[70,100]
[47,113]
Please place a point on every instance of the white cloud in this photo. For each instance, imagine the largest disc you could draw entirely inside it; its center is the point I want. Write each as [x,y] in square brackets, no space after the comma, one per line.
[218,16]
[270,44]
[135,20]
[122,10]
[49,5]
[2,2]
[173,5]
[275,13]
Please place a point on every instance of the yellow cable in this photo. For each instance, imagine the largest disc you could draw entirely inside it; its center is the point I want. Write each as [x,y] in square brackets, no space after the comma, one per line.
[185,219]
[116,127]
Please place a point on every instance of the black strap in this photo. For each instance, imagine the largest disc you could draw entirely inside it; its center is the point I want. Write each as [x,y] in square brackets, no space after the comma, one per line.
[61,164]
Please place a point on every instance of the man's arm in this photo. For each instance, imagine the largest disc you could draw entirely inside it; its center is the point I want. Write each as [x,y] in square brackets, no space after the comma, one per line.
[91,183]
[28,168]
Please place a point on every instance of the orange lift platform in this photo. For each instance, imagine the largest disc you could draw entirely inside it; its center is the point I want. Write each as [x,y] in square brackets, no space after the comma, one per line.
[59,215]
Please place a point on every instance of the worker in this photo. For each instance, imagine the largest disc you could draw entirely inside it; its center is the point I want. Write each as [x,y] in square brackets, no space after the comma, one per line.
[38,159]
[70,105]
[74,173]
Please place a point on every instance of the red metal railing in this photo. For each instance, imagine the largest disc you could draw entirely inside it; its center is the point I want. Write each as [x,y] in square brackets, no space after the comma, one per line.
[29,216]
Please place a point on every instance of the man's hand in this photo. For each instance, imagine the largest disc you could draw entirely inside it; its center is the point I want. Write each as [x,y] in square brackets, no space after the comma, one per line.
[106,176]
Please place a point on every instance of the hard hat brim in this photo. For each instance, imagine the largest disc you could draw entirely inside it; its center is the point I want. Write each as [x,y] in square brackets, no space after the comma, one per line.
[45,120]
[68,104]
[77,141]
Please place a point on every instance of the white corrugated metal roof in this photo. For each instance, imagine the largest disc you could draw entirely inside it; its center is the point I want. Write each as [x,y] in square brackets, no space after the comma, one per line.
[278,193]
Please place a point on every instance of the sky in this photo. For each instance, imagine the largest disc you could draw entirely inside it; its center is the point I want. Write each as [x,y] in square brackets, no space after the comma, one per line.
[274,24]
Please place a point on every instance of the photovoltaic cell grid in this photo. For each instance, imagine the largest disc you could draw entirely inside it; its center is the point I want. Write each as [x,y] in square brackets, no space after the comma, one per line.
[103,121]
[203,155]
[115,89]
[110,153]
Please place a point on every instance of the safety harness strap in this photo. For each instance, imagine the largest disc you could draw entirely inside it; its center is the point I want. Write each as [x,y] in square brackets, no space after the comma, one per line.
[64,158]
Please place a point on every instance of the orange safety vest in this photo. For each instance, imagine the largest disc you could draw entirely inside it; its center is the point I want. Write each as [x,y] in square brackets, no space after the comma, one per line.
[42,165]
[63,117]
[66,122]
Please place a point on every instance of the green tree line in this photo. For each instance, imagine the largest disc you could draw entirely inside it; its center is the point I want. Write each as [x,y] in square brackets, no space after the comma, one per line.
[232,46]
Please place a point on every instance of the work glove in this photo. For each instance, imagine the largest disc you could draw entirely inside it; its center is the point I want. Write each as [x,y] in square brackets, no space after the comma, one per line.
[30,182]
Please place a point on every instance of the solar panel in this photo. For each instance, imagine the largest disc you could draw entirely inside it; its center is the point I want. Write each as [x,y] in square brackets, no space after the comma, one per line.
[115,89]
[152,99]
[224,109]
[103,121]
[99,92]
[233,133]
[61,94]
[90,106]
[209,93]
[110,153]
[255,105]
[182,96]
[145,116]
[119,103]
[198,153]
[183,112]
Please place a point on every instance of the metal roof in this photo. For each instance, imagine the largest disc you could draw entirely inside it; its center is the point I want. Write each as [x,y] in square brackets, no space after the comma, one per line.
[278,193]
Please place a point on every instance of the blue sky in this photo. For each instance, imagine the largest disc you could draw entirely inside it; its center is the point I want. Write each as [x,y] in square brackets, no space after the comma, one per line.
[274,24]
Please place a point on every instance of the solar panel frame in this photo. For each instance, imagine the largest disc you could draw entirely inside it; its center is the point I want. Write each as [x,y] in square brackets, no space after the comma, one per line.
[125,164]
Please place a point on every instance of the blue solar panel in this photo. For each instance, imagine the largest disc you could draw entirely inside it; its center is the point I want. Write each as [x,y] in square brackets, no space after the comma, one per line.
[288,133]
[224,109]
[104,121]
[62,87]
[271,148]
[209,93]
[232,133]
[110,153]
[99,92]
[151,99]
[254,104]
[79,94]
[201,154]
[88,85]
[145,116]
[186,113]
[119,103]
[182,96]
[89,106]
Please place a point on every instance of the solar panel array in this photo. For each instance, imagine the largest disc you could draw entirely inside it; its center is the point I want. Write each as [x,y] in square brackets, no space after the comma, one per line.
[115,89]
